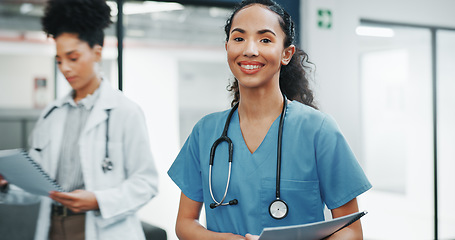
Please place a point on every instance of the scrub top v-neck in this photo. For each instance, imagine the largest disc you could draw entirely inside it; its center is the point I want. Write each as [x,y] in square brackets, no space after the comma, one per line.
[318,168]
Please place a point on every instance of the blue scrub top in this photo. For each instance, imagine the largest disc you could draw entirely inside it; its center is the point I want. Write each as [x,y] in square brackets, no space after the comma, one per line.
[317,168]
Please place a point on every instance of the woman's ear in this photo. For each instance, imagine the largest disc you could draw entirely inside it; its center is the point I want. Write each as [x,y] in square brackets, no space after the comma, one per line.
[287,55]
[97,49]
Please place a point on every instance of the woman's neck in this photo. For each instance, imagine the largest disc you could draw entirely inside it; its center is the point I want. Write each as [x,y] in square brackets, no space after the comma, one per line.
[257,112]
[260,105]
[86,90]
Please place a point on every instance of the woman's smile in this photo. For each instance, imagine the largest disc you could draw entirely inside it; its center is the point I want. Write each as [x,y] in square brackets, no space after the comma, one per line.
[250,67]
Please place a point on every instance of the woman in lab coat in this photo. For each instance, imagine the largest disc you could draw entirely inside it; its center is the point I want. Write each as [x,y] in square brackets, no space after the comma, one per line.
[94,141]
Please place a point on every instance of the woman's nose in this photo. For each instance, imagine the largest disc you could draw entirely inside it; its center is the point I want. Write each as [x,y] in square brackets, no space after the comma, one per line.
[64,66]
[251,49]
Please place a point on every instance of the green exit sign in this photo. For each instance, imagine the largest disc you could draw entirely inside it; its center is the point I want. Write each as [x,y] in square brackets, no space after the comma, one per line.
[324,18]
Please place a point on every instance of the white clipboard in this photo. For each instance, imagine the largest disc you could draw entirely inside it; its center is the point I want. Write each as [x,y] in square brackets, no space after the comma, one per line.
[19,169]
[310,231]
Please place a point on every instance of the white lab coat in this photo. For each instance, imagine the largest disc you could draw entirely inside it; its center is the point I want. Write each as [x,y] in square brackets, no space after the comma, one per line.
[120,192]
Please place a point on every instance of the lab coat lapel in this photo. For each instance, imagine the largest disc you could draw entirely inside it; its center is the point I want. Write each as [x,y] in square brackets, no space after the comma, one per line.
[56,131]
[107,100]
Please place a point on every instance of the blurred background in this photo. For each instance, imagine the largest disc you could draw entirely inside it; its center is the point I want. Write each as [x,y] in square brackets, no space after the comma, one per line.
[384,70]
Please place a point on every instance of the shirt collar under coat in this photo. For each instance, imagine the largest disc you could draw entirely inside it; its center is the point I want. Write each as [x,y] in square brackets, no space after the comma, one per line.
[107,99]
[88,102]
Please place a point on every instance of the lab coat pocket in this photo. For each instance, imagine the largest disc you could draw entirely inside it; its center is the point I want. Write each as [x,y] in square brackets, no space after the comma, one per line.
[110,228]
[302,198]
[107,222]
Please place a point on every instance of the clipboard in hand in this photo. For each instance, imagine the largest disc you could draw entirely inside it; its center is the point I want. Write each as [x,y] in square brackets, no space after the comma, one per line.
[310,231]
[19,169]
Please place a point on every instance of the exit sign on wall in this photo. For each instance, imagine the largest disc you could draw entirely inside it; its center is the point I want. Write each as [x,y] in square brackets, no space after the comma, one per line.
[324,18]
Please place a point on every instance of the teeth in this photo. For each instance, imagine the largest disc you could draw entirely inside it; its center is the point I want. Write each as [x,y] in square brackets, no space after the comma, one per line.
[250,67]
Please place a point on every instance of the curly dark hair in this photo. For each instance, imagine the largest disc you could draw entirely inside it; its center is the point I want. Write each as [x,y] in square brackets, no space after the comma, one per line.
[294,81]
[86,18]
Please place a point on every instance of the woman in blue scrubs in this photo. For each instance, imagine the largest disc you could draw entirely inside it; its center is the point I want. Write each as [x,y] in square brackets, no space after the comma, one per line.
[317,166]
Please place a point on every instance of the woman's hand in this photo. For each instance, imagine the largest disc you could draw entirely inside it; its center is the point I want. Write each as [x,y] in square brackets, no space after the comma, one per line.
[251,237]
[3,182]
[77,201]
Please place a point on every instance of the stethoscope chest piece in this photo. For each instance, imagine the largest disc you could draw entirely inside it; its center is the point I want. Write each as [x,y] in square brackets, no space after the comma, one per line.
[278,209]
[107,165]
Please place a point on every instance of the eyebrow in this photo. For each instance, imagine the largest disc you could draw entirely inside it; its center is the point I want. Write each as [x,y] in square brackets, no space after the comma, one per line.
[238,30]
[67,54]
[259,32]
[266,31]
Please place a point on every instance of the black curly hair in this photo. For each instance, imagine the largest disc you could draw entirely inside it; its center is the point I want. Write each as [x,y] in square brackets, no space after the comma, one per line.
[86,18]
[294,81]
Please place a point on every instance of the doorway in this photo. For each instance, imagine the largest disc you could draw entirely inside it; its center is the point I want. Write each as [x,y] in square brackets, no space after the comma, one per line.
[407,111]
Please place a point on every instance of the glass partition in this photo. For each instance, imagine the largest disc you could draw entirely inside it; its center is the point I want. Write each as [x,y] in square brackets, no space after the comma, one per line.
[446,132]
[396,95]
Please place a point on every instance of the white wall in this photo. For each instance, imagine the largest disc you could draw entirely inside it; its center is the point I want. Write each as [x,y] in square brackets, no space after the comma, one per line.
[20,64]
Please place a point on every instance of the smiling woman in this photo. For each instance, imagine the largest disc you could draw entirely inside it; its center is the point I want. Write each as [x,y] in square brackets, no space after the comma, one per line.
[279,160]
[296,71]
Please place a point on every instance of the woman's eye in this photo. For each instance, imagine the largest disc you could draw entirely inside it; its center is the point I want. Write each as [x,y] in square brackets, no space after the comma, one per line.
[73,59]
[59,62]
[265,40]
[238,39]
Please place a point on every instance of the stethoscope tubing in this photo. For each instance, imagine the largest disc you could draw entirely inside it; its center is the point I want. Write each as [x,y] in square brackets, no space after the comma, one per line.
[108,112]
[220,203]
[107,164]
[278,209]
[223,138]
[279,144]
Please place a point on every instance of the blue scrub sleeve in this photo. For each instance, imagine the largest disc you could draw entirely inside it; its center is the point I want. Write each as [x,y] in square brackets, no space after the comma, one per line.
[186,170]
[341,178]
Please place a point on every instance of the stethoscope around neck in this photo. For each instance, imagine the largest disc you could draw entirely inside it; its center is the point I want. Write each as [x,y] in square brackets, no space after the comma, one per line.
[278,208]
[107,164]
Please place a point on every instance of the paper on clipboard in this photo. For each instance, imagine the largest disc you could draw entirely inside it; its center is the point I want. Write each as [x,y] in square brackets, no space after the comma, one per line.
[311,231]
[19,169]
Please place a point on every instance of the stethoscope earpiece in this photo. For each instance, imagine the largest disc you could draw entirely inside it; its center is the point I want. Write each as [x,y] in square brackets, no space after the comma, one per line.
[232,202]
